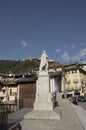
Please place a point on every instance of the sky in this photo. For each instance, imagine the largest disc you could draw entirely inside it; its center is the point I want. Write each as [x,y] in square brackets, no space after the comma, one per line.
[27,27]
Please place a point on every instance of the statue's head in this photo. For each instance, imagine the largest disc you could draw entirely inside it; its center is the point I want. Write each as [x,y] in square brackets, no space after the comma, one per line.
[44,51]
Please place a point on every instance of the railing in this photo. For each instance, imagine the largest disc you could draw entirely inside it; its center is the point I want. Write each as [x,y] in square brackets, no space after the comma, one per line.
[10,107]
[16,127]
[3,117]
[13,105]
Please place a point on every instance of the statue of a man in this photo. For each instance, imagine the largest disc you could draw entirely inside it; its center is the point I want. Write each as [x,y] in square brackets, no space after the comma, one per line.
[44,62]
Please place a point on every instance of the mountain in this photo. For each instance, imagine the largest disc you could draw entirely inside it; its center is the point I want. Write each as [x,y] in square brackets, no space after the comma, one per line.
[20,66]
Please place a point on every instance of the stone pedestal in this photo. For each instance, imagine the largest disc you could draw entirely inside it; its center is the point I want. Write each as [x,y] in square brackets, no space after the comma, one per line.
[43,95]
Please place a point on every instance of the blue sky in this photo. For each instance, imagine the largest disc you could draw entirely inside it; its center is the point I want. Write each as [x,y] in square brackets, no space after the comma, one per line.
[27,27]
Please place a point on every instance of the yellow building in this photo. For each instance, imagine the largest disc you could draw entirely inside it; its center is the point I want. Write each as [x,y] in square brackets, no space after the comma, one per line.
[74,79]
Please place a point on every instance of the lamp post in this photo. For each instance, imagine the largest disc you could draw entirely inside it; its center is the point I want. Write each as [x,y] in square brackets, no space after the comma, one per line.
[64,82]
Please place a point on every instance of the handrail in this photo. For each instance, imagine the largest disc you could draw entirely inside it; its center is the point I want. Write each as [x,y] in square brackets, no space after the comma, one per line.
[16,127]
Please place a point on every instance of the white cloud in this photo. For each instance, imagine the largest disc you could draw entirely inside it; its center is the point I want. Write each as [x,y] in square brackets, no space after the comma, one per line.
[83,53]
[80,55]
[82,43]
[76,57]
[24,44]
[58,50]
[73,47]
[65,56]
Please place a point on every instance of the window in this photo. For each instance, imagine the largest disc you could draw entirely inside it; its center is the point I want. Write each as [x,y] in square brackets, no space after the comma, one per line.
[68,72]
[3,91]
[68,79]
[10,91]
[75,79]
[76,86]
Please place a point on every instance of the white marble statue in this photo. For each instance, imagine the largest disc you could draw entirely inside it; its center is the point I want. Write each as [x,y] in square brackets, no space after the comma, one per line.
[44,62]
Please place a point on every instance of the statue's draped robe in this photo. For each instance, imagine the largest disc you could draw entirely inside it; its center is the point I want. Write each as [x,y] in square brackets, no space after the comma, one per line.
[44,62]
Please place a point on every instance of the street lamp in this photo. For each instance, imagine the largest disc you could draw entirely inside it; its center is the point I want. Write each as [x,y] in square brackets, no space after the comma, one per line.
[64,82]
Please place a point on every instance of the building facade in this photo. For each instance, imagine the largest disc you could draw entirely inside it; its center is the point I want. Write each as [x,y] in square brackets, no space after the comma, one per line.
[74,79]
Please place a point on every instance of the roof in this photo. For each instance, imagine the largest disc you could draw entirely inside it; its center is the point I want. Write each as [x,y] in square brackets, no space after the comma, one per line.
[55,65]
[69,64]
[26,80]
[74,64]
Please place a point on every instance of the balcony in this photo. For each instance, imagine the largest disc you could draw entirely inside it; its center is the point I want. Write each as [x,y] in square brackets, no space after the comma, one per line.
[4,88]
[2,94]
[76,89]
[68,81]
[75,80]
[13,94]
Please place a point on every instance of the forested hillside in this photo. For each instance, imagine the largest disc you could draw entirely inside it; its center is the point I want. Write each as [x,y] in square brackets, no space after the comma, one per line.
[20,66]
[7,66]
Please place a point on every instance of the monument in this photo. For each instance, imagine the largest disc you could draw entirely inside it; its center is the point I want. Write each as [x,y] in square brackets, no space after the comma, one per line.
[43,96]
[43,105]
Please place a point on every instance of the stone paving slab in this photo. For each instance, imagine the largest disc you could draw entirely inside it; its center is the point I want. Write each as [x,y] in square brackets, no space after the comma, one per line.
[81,114]
[45,114]
[69,120]
[16,116]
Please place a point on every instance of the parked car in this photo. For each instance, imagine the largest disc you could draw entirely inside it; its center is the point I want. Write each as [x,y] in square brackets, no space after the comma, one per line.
[81,99]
